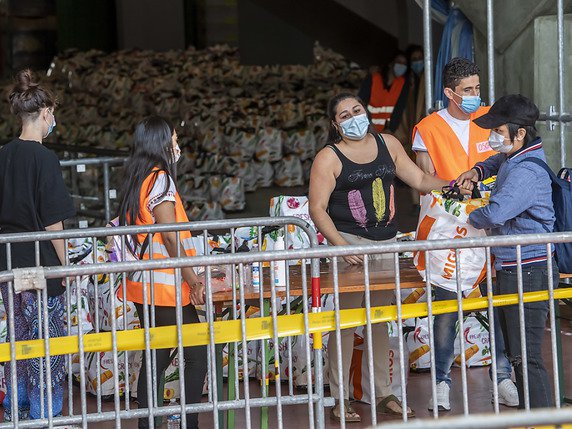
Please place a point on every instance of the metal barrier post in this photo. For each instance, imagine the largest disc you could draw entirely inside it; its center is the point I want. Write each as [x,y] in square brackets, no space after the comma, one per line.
[431,329]
[492,333]
[309,375]
[561,76]
[460,315]
[553,333]
[369,339]
[318,340]
[428,55]
[12,336]
[491,51]
[106,192]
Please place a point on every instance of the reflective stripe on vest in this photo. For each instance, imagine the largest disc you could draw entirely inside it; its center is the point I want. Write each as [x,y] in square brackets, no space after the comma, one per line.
[378,121]
[382,101]
[446,151]
[160,251]
[384,109]
[163,279]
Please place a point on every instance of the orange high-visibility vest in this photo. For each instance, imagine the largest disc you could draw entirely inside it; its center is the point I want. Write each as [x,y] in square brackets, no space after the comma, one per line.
[446,151]
[163,279]
[382,101]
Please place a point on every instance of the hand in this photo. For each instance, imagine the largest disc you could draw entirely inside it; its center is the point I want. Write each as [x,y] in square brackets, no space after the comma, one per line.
[354,259]
[465,191]
[465,180]
[198,293]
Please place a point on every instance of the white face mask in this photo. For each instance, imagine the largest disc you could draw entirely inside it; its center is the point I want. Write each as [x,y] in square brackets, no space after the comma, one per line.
[176,154]
[496,142]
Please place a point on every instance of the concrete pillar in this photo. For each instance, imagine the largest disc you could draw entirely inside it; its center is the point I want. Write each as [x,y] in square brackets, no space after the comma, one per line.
[545,93]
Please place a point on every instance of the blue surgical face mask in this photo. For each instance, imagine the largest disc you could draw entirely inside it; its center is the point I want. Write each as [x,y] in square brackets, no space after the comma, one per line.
[399,69]
[470,103]
[355,128]
[51,126]
[418,66]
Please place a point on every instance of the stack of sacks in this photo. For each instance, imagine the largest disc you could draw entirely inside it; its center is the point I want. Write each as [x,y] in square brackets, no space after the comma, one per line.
[266,123]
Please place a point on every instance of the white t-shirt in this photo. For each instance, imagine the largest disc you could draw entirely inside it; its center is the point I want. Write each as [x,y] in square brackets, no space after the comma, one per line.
[459,127]
[156,197]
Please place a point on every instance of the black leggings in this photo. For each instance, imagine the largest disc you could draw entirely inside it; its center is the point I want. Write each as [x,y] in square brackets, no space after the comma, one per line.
[195,362]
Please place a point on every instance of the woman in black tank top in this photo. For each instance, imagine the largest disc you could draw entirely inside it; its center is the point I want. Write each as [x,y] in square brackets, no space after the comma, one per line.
[352,200]
[363,201]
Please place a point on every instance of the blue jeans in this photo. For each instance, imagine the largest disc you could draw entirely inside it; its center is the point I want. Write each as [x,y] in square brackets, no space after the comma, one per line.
[534,278]
[445,333]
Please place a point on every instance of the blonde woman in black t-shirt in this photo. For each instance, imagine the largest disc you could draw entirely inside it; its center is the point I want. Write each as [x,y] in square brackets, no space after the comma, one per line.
[352,201]
[33,197]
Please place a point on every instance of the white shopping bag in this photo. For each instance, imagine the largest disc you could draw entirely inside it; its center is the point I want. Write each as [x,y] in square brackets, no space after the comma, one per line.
[297,207]
[441,219]
[477,344]
[418,346]
[106,375]
[360,388]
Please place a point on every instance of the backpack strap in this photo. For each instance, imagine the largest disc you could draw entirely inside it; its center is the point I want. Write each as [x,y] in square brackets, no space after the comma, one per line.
[544,165]
[144,247]
[555,180]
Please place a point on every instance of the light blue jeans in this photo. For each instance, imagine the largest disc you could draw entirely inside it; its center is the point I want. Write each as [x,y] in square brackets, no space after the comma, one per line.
[444,325]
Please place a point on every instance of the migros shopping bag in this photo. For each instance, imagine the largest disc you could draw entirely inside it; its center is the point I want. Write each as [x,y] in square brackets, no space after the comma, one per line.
[444,216]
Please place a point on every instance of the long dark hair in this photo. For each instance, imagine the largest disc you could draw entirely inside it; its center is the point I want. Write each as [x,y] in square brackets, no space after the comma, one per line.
[333,134]
[152,148]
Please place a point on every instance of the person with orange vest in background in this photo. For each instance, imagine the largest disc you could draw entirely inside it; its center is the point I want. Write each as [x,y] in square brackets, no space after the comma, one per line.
[149,196]
[381,90]
[447,144]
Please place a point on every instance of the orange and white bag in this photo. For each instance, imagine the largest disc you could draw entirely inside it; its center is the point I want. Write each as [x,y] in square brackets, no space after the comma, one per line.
[442,219]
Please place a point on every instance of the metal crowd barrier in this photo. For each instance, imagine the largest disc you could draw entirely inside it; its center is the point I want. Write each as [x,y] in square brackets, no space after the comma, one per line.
[83,343]
[333,277]
[104,194]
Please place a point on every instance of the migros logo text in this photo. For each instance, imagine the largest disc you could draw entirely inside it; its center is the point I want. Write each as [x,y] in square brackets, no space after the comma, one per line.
[449,268]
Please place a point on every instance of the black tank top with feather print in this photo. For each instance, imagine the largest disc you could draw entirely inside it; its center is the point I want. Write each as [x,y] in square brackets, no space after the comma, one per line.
[363,201]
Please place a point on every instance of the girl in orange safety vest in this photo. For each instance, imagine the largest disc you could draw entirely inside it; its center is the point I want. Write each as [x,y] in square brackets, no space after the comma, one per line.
[150,196]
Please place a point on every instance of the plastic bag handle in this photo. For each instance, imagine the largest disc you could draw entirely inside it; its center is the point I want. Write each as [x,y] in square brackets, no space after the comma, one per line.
[452,192]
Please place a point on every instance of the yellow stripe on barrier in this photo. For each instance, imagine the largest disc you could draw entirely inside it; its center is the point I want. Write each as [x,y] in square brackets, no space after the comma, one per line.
[258,328]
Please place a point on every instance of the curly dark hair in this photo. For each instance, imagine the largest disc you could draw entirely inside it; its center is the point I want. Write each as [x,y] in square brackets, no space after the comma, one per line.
[458,69]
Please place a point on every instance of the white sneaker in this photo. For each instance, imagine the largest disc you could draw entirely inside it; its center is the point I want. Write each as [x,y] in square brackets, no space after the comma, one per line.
[508,394]
[443,403]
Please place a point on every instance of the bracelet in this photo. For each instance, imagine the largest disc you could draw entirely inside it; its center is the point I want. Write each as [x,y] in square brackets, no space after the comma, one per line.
[452,183]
